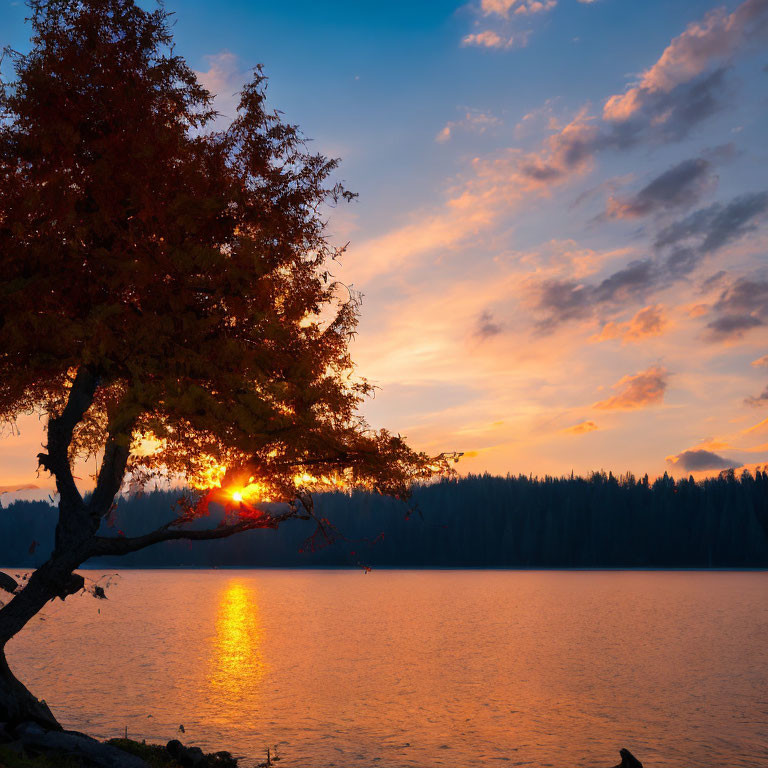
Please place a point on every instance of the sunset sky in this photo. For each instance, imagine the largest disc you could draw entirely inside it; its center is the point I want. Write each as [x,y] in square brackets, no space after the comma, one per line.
[562,228]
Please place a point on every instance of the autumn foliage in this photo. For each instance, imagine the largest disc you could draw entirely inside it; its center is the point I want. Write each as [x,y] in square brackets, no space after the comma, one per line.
[166,291]
[187,270]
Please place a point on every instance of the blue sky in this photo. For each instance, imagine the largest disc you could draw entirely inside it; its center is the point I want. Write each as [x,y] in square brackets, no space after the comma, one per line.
[561,231]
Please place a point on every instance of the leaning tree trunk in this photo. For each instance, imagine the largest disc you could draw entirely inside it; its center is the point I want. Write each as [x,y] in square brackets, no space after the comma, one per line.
[53,579]
[75,528]
[18,704]
[74,541]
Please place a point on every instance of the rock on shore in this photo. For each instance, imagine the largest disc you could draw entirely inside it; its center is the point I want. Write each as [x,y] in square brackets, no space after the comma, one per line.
[32,745]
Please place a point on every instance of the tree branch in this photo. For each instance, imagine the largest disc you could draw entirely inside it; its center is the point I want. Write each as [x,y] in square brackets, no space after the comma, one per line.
[111,474]
[102,545]
[60,431]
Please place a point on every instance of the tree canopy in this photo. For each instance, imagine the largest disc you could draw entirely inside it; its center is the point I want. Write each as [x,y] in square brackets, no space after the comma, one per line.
[177,277]
[167,298]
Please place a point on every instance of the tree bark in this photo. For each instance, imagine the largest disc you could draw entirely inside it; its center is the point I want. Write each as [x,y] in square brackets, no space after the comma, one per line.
[17,704]
[53,579]
[76,526]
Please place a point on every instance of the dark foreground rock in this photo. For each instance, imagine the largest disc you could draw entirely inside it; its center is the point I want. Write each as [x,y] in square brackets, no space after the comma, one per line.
[35,740]
[30,745]
[628,760]
[193,757]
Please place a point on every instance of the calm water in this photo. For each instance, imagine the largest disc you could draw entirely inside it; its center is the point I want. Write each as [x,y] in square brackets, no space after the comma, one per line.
[417,668]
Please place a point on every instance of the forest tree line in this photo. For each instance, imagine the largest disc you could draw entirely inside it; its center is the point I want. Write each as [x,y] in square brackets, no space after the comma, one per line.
[479,521]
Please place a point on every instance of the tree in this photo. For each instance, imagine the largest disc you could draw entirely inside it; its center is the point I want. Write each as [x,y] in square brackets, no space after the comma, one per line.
[165,298]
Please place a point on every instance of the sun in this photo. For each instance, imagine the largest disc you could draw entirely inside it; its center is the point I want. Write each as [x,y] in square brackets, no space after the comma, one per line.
[237,496]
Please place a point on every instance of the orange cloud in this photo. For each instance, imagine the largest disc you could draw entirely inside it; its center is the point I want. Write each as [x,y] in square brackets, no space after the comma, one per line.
[752,468]
[637,391]
[649,321]
[759,427]
[761,362]
[581,428]
[712,444]
[698,310]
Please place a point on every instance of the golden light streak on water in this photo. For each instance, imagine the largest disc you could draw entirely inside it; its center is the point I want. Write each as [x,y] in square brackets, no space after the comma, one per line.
[237,664]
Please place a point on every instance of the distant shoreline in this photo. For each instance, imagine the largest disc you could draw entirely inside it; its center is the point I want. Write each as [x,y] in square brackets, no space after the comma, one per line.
[601,523]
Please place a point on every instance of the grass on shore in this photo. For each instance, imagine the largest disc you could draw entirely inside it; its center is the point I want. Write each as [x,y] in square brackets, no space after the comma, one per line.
[153,754]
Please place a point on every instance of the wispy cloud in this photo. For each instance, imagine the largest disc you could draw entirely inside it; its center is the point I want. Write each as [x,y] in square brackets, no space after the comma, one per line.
[487,38]
[761,399]
[487,325]
[717,225]
[224,78]
[761,426]
[582,428]
[560,300]
[505,8]
[639,390]
[507,23]
[473,121]
[682,186]
[682,245]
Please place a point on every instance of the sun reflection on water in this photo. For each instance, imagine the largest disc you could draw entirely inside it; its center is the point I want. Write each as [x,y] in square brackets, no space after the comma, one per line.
[237,663]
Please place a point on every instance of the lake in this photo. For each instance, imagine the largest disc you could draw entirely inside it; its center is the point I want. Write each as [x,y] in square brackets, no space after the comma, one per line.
[416,668]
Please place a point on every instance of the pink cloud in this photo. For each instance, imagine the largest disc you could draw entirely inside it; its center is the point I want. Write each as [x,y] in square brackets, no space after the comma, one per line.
[637,391]
[517,7]
[224,78]
[510,174]
[568,152]
[717,36]
[490,39]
